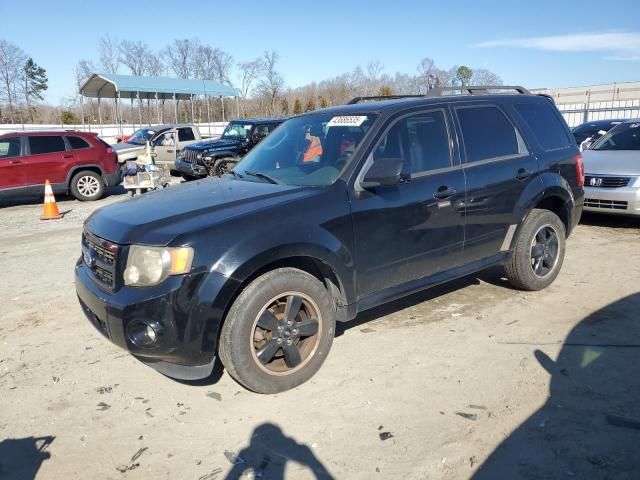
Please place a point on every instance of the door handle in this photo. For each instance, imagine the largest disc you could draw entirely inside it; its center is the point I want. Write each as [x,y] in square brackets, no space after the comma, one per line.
[169,151]
[523,174]
[67,156]
[14,162]
[444,192]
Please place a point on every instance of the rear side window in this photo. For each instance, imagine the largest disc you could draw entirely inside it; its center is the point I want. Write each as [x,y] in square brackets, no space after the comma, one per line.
[49,144]
[185,135]
[9,147]
[544,123]
[77,142]
[487,133]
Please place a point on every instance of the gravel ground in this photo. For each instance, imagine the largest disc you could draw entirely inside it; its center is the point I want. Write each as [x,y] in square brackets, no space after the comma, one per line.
[468,380]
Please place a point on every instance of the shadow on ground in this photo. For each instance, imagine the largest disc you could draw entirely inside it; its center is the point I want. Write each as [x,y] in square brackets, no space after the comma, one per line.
[611,221]
[590,425]
[21,458]
[38,199]
[267,455]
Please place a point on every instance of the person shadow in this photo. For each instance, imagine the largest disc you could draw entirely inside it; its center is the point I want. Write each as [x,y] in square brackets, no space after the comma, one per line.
[589,427]
[268,453]
[21,458]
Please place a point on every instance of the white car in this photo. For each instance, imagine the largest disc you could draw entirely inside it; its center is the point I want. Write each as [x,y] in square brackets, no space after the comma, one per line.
[612,171]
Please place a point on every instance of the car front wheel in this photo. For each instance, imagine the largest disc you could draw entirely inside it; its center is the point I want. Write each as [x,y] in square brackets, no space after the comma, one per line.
[278,332]
[87,186]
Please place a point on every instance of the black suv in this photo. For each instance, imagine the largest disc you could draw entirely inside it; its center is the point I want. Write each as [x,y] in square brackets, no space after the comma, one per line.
[217,157]
[338,211]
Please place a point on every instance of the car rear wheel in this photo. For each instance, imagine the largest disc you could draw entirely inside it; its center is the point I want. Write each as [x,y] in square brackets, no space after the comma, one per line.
[278,331]
[87,186]
[537,258]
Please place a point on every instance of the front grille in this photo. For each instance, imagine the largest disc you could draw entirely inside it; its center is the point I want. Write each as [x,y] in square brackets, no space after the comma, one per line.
[605,182]
[608,204]
[190,156]
[101,256]
[100,325]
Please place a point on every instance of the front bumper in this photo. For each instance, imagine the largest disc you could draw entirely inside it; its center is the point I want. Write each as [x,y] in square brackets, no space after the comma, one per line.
[616,201]
[191,169]
[181,307]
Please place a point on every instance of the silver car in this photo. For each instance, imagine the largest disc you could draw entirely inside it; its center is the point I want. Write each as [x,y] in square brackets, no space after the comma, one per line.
[612,171]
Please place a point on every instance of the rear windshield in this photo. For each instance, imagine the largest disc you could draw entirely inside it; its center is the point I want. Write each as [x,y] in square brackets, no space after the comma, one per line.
[625,136]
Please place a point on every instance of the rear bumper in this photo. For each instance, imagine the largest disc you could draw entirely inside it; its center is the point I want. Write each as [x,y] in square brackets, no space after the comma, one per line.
[179,309]
[615,201]
[194,170]
[112,179]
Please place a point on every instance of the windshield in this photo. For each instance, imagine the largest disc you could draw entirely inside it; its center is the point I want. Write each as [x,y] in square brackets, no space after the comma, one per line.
[237,131]
[623,137]
[308,150]
[141,136]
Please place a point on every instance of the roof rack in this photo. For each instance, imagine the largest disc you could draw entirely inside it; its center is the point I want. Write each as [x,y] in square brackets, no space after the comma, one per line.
[439,91]
[475,89]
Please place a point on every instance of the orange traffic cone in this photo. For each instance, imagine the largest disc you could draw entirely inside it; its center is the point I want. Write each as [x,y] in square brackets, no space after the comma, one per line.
[50,211]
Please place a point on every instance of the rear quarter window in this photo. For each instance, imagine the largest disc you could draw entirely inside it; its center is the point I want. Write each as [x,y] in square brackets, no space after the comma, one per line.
[77,142]
[545,124]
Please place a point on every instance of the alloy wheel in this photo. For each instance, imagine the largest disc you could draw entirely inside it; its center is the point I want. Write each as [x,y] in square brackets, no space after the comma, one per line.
[544,251]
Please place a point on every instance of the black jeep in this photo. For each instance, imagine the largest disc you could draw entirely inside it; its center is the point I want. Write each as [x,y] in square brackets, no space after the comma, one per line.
[217,157]
[338,211]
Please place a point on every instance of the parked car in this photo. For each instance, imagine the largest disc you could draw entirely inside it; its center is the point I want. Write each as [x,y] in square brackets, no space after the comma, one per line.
[216,157]
[587,133]
[75,162]
[612,166]
[338,211]
[167,141]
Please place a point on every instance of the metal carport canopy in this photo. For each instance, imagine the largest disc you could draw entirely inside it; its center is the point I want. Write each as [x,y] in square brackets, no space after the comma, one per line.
[106,85]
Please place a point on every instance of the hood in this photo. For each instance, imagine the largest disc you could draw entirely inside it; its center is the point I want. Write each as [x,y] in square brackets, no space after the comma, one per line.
[220,143]
[611,162]
[156,218]
[125,146]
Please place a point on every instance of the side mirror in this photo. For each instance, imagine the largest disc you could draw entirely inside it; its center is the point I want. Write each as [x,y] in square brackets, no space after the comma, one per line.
[383,172]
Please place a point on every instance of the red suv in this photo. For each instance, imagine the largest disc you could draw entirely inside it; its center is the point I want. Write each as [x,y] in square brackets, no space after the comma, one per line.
[76,162]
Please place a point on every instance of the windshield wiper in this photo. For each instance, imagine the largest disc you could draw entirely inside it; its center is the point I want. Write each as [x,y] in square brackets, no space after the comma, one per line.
[235,174]
[264,176]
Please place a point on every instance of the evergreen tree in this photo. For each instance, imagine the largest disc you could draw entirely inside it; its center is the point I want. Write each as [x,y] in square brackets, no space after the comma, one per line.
[385,91]
[69,118]
[35,83]
[311,105]
[323,102]
[464,74]
[297,107]
[285,106]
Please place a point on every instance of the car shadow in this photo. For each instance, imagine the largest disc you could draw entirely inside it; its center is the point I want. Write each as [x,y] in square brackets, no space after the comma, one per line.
[39,199]
[21,458]
[611,221]
[589,426]
[268,453]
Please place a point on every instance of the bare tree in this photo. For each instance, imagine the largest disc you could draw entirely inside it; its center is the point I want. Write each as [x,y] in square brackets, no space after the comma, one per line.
[181,56]
[249,72]
[483,76]
[12,60]
[154,66]
[110,56]
[426,67]
[135,56]
[223,63]
[272,82]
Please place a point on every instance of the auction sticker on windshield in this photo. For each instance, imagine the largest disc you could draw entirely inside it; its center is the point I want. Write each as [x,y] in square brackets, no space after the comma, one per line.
[347,121]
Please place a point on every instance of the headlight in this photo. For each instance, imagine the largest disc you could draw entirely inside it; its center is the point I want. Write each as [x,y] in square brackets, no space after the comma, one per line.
[636,183]
[199,156]
[180,154]
[147,266]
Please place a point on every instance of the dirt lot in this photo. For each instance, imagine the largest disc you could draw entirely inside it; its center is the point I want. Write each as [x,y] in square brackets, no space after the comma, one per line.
[473,379]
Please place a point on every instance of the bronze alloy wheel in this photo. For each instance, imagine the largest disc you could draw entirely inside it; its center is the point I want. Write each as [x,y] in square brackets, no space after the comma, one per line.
[286,333]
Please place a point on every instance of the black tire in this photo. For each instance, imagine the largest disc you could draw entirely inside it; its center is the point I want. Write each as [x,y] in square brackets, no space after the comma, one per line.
[189,178]
[87,186]
[537,258]
[242,339]
[222,166]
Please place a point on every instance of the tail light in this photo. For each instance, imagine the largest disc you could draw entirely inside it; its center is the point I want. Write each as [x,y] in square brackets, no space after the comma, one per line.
[580,170]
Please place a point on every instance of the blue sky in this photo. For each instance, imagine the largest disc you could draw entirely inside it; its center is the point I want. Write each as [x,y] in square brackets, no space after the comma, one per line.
[536,44]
